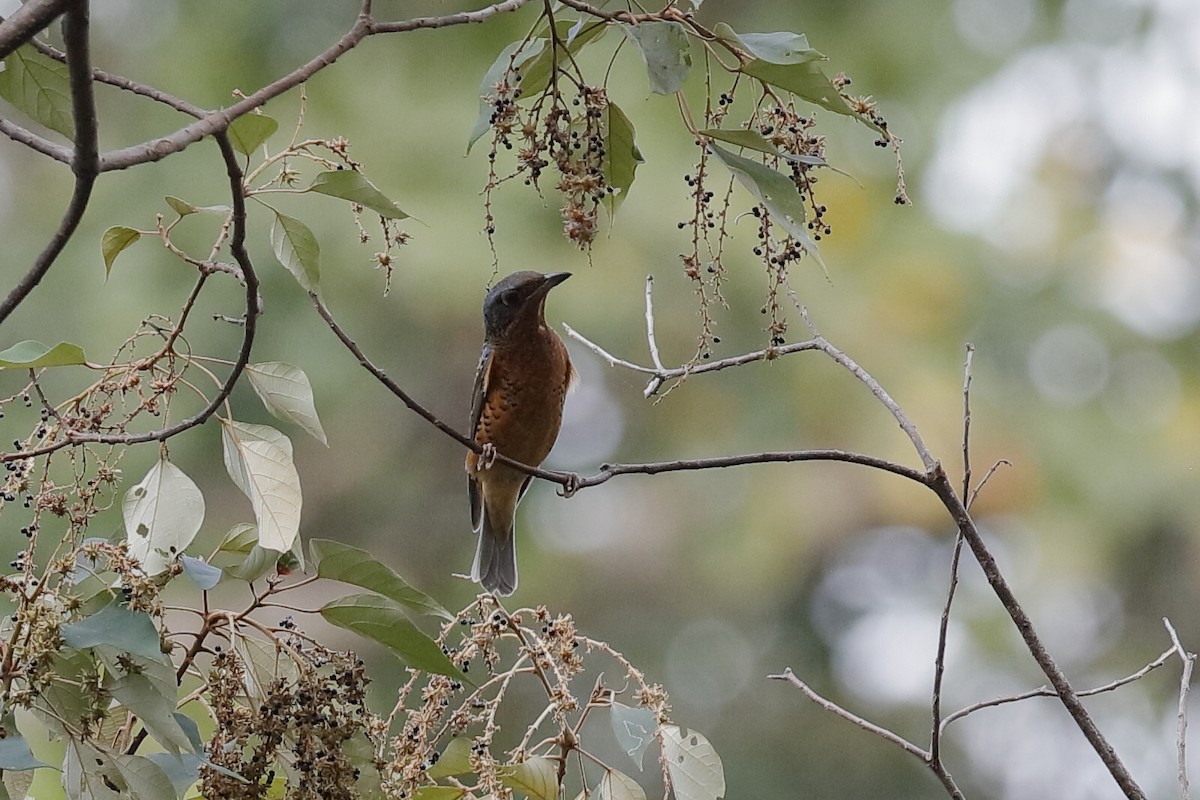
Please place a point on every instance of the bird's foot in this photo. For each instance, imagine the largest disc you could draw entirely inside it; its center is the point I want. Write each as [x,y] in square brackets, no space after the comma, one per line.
[487,456]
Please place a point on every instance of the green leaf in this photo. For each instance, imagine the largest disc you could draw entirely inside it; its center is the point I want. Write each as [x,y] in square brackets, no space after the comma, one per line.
[383,620]
[615,785]
[201,573]
[118,627]
[113,241]
[162,515]
[182,770]
[694,766]
[249,131]
[32,355]
[537,778]
[776,192]
[342,562]
[258,562]
[803,80]
[621,157]
[753,140]
[40,87]
[241,539]
[664,46]
[259,460]
[634,729]
[183,207]
[511,57]
[287,393]
[536,77]
[438,793]
[14,749]
[455,759]
[353,186]
[783,47]
[155,709]
[297,250]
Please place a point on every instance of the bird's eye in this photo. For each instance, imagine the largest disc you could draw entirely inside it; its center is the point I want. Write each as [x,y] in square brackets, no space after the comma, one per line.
[511,298]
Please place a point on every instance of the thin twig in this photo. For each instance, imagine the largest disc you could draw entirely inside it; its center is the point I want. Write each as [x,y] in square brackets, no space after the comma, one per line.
[654,357]
[966,437]
[1004,462]
[84,162]
[1185,685]
[24,23]
[1046,691]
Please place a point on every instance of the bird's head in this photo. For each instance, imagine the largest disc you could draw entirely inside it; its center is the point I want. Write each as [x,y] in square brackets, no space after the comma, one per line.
[520,296]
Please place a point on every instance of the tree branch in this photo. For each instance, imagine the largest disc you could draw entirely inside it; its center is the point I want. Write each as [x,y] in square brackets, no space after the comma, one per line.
[24,23]
[84,162]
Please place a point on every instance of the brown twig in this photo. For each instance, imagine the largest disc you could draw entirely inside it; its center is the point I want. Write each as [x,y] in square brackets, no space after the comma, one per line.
[1185,685]
[29,18]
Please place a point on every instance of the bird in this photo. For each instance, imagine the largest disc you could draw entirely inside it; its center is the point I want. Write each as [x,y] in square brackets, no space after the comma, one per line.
[516,410]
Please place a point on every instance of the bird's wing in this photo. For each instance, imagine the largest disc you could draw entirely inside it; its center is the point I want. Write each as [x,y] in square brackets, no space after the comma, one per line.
[477,397]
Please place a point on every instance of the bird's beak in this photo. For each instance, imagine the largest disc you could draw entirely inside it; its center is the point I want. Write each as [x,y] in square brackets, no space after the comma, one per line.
[553,279]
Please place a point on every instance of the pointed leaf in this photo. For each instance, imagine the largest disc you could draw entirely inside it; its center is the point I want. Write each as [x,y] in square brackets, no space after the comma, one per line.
[803,80]
[40,87]
[182,770]
[621,157]
[342,562]
[286,392]
[162,515]
[511,57]
[537,778]
[694,766]
[183,207]
[634,729]
[14,749]
[782,47]
[259,460]
[201,573]
[113,241]
[455,759]
[249,131]
[753,140]
[776,192]
[615,785]
[353,186]
[32,355]
[240,539]
[155,709]
[381,619]
[664,46]
[297,250]
[115,626]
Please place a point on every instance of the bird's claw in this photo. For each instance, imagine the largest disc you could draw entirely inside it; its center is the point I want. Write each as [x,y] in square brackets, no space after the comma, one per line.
[571,486]
[487,456]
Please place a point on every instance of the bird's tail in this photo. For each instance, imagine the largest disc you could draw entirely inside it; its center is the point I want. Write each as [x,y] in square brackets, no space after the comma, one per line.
[496,559]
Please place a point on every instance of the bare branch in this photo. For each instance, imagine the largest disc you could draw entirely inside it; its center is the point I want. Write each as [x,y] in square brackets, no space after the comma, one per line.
[31,140]
[654,357]
[84,162]
[24,23]
[1046,691]
[1185,685]
[1004,462]
[966,437]
[870,727]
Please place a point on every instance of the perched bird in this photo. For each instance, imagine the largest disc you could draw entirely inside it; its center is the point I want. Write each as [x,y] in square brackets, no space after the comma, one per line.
[516,408]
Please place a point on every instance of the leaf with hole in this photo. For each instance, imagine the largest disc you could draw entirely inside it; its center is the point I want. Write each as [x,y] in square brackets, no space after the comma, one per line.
[353,186]
[776,192]
[249,131]
[383,620]
[537,778]
[286,392]
[162,513]
[35,355]
[40,87]
[297,250]
[113,241]
[664,47]
[259,460]
[694,766]
[342,562]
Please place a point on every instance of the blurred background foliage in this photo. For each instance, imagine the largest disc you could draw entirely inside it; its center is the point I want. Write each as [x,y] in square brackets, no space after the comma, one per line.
[1051,152]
